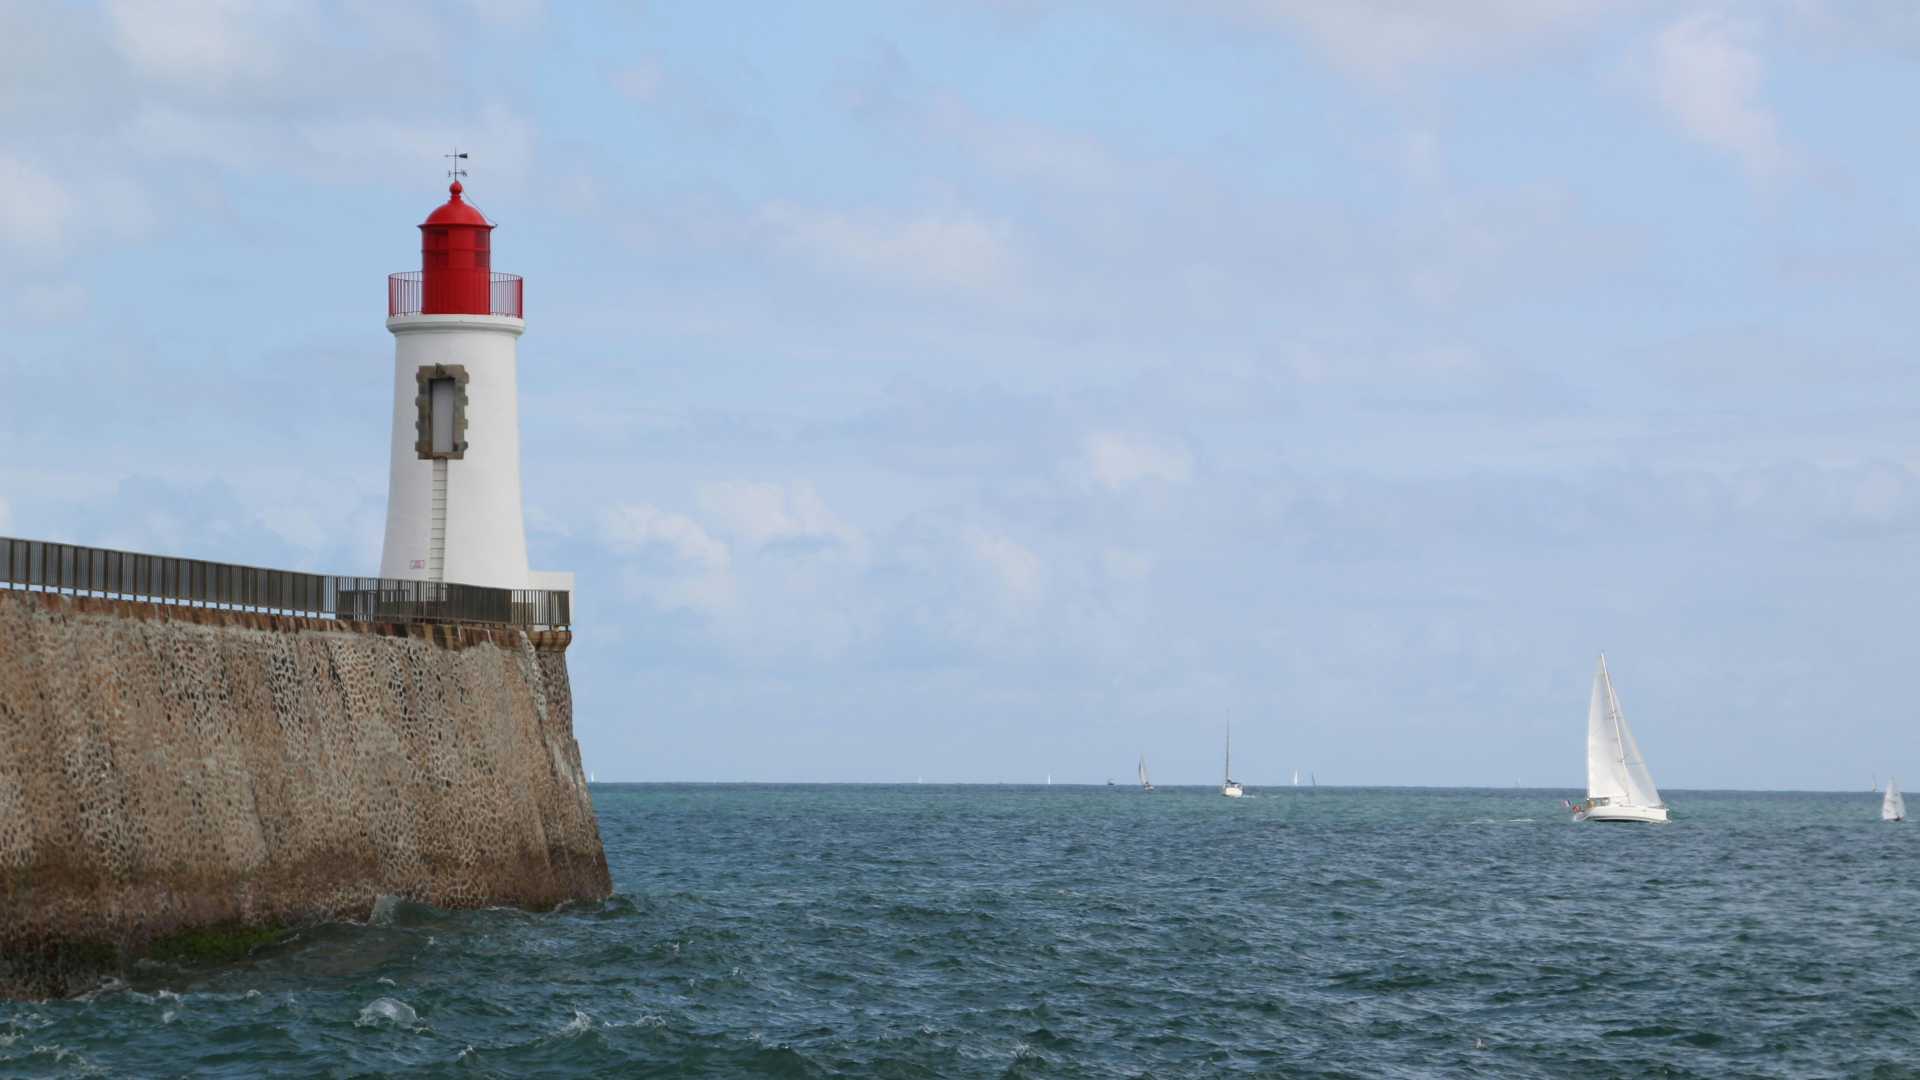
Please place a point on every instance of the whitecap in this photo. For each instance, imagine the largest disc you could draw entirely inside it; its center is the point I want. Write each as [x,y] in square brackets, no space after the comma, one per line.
[110,985]
[581,1022]
[384,907]
[387,1010]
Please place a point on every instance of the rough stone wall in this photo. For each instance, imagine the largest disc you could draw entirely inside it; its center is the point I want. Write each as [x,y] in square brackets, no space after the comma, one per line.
[168,769]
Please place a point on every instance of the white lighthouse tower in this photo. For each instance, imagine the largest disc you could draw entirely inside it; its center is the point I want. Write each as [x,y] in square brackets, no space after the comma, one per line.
[453,496]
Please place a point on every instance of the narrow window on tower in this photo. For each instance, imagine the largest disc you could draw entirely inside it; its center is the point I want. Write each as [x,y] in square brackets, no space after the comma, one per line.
[440,395]
[440,431]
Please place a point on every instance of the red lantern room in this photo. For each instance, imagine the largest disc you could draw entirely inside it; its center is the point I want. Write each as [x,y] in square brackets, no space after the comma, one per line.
[456,268]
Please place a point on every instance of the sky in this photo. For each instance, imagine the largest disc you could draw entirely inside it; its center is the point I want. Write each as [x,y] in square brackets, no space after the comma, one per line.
[983,391]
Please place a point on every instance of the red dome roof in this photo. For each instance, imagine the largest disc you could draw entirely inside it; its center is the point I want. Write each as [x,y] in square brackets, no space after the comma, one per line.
[456,212]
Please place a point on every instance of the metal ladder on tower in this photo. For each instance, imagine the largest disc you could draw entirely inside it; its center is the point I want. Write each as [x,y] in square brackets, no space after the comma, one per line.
[437,531]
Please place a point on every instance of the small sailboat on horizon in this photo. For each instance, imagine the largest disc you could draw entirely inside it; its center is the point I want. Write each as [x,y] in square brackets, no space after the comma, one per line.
[1145,784]
[1619,786]
[1231,787]
[1893,807]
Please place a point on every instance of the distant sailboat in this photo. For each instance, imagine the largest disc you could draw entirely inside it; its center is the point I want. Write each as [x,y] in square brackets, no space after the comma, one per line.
[1231,788]
[590,778]
[1619,787]
[1893,807]
[1145,784]
[1296,778]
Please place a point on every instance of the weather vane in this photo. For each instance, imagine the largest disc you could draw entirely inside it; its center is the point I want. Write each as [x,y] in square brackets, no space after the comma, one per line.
[456,158]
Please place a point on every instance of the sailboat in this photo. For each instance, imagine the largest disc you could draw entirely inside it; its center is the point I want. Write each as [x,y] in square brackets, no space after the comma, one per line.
[1231,788]
[1893,807]
[1145,784]
[1296,778]
[1619,787]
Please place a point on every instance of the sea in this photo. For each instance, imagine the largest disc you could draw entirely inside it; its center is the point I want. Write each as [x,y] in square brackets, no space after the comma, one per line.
[980,931]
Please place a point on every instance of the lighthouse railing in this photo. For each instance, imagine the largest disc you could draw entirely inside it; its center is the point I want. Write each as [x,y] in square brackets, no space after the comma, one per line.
[76,570]
[407,295]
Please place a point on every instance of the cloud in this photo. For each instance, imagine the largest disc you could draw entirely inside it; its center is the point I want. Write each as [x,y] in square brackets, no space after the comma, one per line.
[641,81]
[207,45]
[1018,570]
[1126,564]
[34,207]
[695,573]
[764,514]
[1119,461]
[1707,78]
[51,302]
[1381,38]
[939,250]
[637,527]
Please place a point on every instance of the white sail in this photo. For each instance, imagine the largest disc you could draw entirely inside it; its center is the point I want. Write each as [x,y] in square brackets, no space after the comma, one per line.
[1615,769]
[1893,807]
[1144,782]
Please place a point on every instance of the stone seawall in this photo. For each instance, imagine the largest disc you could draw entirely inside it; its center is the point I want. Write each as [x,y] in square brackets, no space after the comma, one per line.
[169,771]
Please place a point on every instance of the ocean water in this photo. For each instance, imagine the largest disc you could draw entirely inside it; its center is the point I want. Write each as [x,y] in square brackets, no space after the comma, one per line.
[931,931]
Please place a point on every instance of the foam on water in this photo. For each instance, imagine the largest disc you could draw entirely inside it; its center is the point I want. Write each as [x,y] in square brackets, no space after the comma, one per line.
[386,1011]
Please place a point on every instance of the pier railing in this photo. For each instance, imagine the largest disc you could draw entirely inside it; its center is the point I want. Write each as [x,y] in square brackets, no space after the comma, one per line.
[121,575]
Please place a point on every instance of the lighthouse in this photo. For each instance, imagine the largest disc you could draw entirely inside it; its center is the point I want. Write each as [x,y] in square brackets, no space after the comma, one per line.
[453,494]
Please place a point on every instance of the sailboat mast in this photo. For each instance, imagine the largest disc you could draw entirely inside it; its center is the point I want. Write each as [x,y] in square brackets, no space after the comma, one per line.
[1227,774]
[1613,711]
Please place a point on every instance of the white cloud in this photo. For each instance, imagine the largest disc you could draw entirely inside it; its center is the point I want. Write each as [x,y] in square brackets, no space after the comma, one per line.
[1127,564]
[205,44]
[934,250]
[1019,571]
[1379,38]
[52,302]
[1707,77]
[1118,461]
[34,207]
[697,574]
[762,514]
[507,12]
[636,527]
[640,82]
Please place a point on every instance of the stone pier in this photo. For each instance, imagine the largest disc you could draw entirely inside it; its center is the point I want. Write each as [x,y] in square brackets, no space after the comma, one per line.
[173,773]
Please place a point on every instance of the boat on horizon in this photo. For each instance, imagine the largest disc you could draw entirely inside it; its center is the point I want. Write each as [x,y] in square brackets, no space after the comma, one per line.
[1893,807]
[1231,787]
[1619,787]
[1145,784]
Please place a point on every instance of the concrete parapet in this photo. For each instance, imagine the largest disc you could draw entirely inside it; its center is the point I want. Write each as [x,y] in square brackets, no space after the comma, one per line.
[168,770]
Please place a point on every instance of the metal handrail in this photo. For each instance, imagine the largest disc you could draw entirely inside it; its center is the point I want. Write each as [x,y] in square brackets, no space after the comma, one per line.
[72,569]
[406,294]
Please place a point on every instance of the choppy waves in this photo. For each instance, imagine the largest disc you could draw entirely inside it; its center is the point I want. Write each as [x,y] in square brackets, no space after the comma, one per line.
[926,931]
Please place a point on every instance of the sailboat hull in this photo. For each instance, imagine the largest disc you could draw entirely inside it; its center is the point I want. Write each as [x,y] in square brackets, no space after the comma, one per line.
[1623,813]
